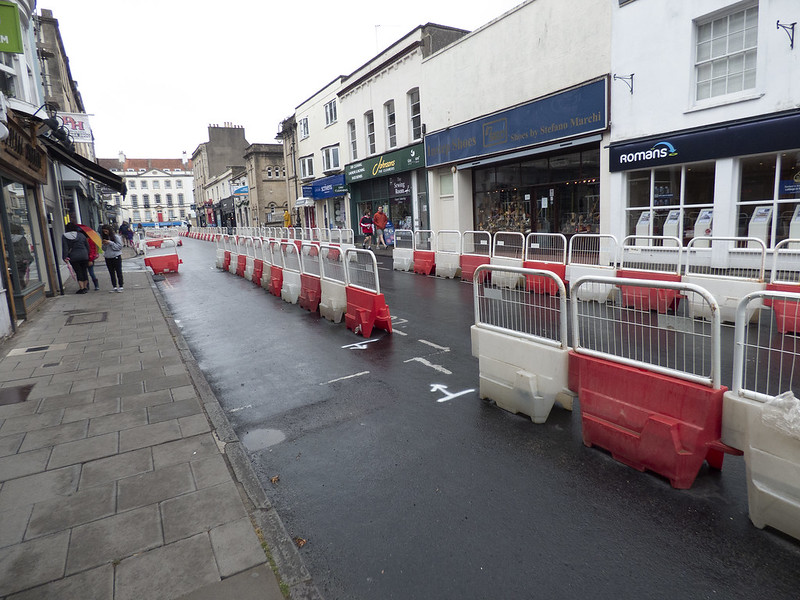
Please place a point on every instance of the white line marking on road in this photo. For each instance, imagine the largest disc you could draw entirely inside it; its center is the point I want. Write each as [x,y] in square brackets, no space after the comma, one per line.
[431,344]
[360,345]
[398,332]
[346,377]
[233,410]
[438,387]
[439,368]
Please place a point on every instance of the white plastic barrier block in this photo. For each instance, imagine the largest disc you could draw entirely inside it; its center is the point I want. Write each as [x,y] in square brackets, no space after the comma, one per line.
[248,268]
[333,300]
[290,291]
[448,265]
[521,376]
[772,460]
[727,292]
[234,263]
[220,257]
[403,259]
[597,292]
[506,279]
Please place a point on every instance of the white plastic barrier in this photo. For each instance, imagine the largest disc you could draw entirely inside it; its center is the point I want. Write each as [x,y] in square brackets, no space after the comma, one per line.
[424,251]
[310,285]
[592,255]
[249,264]
[476,250]
[729,268]
[508,250]
[520,341]
[344,238]
[333,280]
[290,290]
[786,263]
[757,421]
[448,254]
[273,261]
[220,244]
[546,251]
[650,257]
[403,252]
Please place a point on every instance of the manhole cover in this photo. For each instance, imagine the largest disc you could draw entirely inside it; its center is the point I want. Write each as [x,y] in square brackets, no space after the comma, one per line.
[14,395]
[88,319]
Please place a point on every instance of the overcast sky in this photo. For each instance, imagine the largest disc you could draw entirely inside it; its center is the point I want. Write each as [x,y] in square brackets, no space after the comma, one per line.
[156,73]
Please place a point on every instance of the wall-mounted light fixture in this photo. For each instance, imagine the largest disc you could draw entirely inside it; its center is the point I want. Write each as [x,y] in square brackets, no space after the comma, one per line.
[627,80]
[789,29]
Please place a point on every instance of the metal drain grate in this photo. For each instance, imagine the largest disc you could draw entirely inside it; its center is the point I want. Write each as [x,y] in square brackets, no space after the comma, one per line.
[88,319]
[35,349]
[15,395]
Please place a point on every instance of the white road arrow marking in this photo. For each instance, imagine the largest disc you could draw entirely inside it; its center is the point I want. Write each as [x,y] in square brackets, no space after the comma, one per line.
[360,345]
[438,387]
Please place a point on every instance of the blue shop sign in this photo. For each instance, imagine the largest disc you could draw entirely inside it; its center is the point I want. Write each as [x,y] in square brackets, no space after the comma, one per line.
[327,187]
[579,111]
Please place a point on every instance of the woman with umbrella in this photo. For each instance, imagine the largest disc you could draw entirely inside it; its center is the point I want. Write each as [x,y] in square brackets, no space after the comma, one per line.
[95,244]
[75,252]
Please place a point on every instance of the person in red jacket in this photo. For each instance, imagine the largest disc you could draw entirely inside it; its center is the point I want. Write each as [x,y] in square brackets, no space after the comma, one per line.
[366,229]
[93,254]
[380,220]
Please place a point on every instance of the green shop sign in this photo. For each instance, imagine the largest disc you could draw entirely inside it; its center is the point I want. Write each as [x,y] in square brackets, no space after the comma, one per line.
[10,35]
[406,159]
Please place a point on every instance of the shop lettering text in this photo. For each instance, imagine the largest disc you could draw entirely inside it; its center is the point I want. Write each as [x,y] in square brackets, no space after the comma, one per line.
[660,150]
[381,165]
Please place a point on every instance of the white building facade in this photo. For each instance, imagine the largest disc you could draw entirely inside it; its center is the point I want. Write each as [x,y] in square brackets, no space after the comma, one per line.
[517,122]
[708,139]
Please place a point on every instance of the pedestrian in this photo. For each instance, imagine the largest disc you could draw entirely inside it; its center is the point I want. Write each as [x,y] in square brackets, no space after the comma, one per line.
[93,254]
[188,227]
[366,229]
[112,250]
[124,230]
[287,218]
[380,220]
[75,251]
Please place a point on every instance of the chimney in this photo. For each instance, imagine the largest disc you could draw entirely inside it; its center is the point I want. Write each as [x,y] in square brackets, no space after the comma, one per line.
[121,157]
[185,160]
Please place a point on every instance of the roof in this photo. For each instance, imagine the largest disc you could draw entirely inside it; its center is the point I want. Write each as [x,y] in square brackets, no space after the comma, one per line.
[145,163]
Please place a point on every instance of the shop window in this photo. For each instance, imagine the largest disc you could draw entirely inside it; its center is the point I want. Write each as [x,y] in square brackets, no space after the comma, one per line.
[391,125]
[20,238]
[302,128]
[668,201]
[330,158]
[369,127]
[415,113]
[330,112]
[306,167]
[351,134]
[770,191]
[725,59]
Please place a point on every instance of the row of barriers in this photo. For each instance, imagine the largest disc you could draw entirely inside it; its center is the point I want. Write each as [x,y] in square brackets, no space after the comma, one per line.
[340,237]
[649,383]
[334,280]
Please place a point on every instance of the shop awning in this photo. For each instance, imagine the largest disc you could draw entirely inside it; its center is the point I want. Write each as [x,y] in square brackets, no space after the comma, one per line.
[84,166]
[303,201]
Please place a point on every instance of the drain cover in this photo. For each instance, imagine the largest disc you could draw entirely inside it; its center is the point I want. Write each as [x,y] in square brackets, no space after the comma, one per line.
[14,395]
[88,319]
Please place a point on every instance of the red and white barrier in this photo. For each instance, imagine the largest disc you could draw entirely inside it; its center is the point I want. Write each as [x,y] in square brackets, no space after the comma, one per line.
[592,255]
[650,257]
[290,289]
[649,391]
[258,260]
[276,268]
[448,254]
[241,254]
[310,285]
[761,423]
[785,278]
[163,258]
[403,252]
[424,251]
[333,283]
[476,250]
[366,306]
[508,250]
[548,252]
[220,255]
[520,341]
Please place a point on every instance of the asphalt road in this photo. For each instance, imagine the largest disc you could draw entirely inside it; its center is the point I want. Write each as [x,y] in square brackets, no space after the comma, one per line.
[402,496]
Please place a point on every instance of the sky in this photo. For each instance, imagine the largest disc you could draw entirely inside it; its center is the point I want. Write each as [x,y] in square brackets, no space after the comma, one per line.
[155,73]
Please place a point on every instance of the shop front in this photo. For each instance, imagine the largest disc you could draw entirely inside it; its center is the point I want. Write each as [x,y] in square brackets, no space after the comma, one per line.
[396,181]
[23,167]
[329,195]
[737,178]
[531,168]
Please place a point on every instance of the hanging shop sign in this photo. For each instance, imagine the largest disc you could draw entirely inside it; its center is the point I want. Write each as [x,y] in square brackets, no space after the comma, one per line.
[10,34]
[77,125]
[406,159]
[578,111]
[22,153]
[241,191]
[327,187]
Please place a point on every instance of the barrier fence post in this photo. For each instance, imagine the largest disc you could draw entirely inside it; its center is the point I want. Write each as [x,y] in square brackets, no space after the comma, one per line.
[333,281]
[366,306]
[310,286]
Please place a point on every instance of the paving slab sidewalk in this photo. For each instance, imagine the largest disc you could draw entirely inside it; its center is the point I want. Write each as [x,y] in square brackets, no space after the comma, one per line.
[120,477]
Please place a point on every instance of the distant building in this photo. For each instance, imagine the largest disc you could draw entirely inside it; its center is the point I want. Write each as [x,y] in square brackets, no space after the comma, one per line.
[158,189]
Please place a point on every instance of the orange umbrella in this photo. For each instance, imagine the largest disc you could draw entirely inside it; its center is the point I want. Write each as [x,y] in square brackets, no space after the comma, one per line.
[91,234]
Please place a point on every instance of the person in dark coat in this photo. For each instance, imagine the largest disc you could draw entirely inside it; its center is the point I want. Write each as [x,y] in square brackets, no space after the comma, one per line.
[75,251]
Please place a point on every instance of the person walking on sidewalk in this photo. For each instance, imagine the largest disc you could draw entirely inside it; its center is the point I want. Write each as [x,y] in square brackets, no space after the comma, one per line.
[366,229]
[75,251]
[93,255]
[380,219]
[112,250]
[124,230]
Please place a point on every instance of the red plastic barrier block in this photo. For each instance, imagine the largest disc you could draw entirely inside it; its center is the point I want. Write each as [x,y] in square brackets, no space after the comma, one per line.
[469,263]
[275,280]
[543,285]
[424,262]
[333,253]
[365,311]
[258,271]
[163,264]
[154,243]
[650,421]
[310,292]
[226,262]
[241,265]
[642,298]
[787,312]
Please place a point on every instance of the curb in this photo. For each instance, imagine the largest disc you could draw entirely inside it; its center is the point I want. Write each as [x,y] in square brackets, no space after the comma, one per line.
[292,571]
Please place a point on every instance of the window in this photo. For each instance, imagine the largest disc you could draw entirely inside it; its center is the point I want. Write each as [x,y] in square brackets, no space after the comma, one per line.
[136,216]
[351,132]
[131,184]
[134,200]
[306,167]
[330,112]
[369,126]
[269,172]
[761,177]
[725,60]
[169,199]
[179,184]
[391,126]
[143,185]
[330,158]
[180,199]
[156,185]
[283,171]
[157,199]
[167,185]
[416,116]
[182,212]
[8,75]
[302,128]
[146,200]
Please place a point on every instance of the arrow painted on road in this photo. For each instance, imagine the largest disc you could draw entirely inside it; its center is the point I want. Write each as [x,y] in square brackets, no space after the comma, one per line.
[360,345]
[438,387]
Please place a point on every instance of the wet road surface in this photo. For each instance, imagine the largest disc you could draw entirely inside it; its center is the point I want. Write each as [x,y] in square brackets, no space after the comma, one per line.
[402,496]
